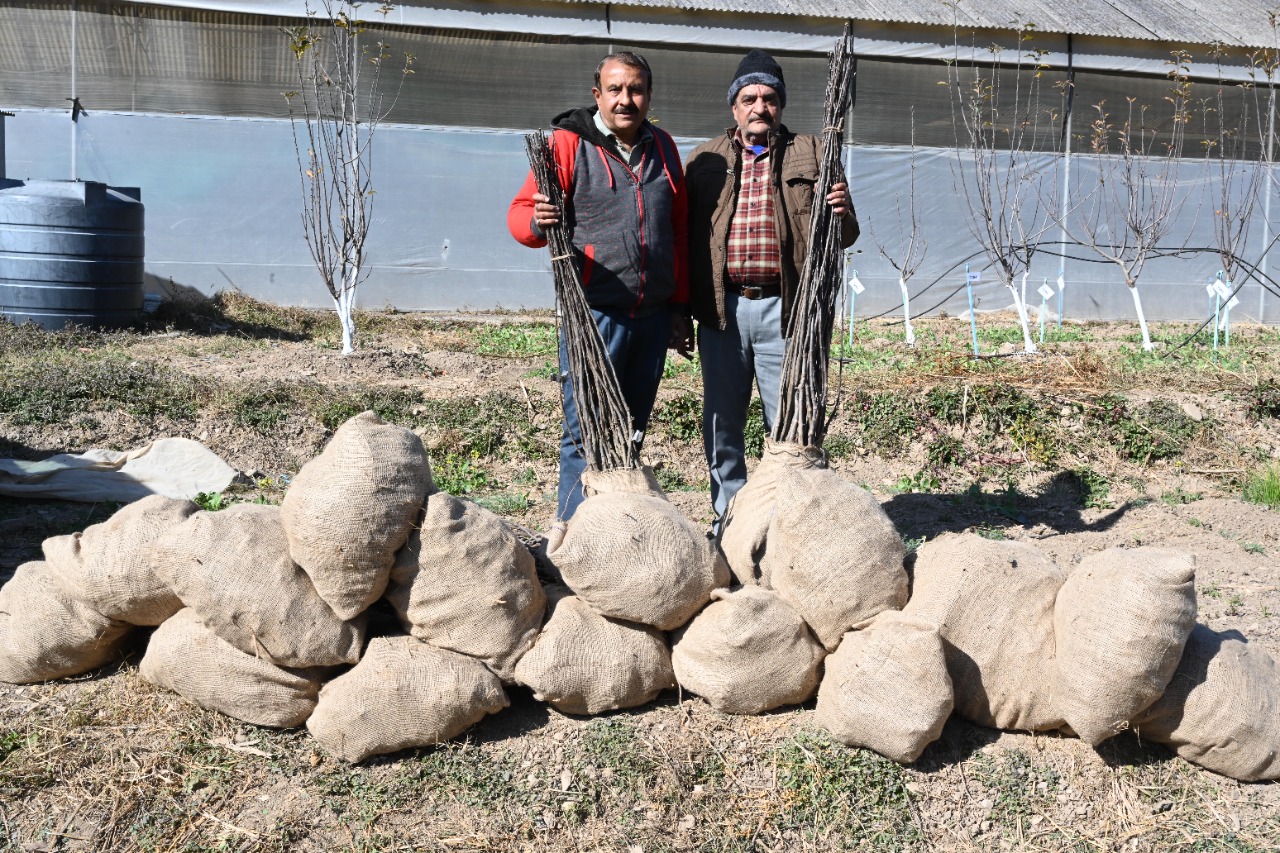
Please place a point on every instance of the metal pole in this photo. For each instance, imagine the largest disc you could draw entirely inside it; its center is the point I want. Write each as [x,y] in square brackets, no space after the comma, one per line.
[74,117]
[3,115]
[1066,170]
[1269,185]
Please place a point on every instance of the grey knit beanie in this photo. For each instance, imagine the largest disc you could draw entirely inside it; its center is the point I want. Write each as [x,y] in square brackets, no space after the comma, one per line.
[758,67]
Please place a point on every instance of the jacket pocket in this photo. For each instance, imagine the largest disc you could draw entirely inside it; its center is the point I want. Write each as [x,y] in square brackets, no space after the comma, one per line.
[799,181]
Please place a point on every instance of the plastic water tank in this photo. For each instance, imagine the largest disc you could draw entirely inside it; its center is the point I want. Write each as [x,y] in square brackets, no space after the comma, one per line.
[70,252]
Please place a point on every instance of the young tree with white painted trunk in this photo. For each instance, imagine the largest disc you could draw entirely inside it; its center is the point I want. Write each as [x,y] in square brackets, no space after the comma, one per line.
[1127,216]
[912,245]
[1004,122]
[336,110]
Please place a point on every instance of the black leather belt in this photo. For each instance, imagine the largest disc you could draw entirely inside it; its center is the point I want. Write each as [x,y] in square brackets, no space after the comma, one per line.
[754,291]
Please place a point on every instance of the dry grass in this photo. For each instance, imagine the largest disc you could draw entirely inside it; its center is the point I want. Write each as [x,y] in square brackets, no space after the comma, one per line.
[1003,445]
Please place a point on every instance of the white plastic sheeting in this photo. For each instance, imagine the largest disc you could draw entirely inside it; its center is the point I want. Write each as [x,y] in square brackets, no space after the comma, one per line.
[173,467]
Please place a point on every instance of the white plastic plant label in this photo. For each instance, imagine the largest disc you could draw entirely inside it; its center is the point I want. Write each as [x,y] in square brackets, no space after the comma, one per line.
[973,276]
[1222,288]
[1210,289]
[1232,303]
[856,285]
[1045,290]
[1062,283]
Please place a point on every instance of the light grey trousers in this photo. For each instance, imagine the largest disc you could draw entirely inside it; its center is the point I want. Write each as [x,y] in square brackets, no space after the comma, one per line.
[749,348]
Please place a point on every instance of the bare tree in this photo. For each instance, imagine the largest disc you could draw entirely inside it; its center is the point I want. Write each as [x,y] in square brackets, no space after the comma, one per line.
[1001,124]
[1127,215]
[337,108]
[1238,117]
[912,245]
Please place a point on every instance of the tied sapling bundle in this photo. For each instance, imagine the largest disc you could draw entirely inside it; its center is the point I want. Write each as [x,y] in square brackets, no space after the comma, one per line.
[627,552]
[607,441]
[802,415]
[797,527]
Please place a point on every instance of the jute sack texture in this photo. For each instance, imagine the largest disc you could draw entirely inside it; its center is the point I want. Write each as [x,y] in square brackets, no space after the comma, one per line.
[993,603]
[585,663]
[832,553]
[108,566]
[186,657]
[747,652]
[886,687]
[404,693]
[1120,623]
[464,582]
[1222,707]
[350,509]
[745,531]
[46,633]
[630,554]
[232,567]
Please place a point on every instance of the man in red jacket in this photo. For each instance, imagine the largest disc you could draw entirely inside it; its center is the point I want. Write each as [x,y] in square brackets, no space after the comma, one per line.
[626,210]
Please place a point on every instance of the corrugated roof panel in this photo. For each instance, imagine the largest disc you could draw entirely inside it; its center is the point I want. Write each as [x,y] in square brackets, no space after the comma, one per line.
[1232,22]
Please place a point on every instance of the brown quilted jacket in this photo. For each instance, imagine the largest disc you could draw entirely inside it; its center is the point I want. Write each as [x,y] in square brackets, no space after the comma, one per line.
[711,178]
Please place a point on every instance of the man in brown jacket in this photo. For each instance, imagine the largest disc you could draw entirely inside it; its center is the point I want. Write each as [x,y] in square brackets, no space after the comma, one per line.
[750,195]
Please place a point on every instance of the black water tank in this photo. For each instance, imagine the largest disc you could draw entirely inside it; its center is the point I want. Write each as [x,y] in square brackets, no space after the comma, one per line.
[70,252]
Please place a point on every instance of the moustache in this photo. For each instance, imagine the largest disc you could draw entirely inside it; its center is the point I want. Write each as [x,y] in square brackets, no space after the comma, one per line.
[625,111]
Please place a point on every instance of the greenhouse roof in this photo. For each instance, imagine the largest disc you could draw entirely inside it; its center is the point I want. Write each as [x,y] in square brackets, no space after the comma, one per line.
[1233,22]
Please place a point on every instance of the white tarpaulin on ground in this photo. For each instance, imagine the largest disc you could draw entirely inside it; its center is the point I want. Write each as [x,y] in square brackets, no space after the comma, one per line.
[172,467]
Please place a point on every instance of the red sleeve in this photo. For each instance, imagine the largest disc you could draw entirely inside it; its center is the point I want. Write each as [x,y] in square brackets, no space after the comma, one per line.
[679,227]
[564,148]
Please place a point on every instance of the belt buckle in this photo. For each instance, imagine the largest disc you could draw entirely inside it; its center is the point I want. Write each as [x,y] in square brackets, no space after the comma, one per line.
[752,291]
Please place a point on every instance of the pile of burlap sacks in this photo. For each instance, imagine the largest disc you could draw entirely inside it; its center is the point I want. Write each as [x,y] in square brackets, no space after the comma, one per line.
[991,630]
[264,613]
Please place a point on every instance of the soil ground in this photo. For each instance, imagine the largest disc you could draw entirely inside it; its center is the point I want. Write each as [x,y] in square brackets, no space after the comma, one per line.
[107,761]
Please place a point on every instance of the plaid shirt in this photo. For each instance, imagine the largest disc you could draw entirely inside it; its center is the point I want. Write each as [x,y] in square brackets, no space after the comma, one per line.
[754,256]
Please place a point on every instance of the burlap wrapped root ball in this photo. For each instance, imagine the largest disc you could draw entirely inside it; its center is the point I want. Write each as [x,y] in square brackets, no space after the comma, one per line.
[1222,707]
[46,633]
[886,687]
[993,603]
[585,663]
[631,554]
[186,657]
[1120,623]
[404,693]
[747,652]
[829,549]
[350,509]
[744,533]
[232,567]
[464,582]
[108,566]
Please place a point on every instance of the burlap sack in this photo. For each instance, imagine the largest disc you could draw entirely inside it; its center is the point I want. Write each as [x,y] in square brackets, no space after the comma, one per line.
[233,569]
[350,509]
[45,633]
[108,566]
[1222,707]
[464,582]
[585,663]
[404,693]
[745,530]
[747,652]
[632,555]
[993,604]
[186,657]
[1120,623]
[832,553]
[886,687]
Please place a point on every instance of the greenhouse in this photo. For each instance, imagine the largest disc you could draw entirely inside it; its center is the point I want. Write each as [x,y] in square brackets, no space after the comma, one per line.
[1051,109]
